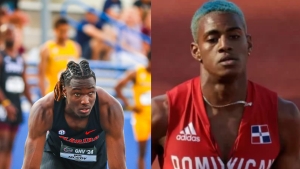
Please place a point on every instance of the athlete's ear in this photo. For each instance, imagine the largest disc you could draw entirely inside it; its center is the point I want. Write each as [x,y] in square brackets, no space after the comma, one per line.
[195,51]
[249,41]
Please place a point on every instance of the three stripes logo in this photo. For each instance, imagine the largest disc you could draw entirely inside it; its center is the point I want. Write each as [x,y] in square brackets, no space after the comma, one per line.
[188,134]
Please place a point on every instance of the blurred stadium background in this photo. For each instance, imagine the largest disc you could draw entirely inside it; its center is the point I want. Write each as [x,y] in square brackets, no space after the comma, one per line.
[38,17]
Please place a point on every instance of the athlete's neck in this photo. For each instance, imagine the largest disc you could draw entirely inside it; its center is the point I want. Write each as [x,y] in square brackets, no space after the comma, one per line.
[148,69]
[60,42]
[11,52]
[220,92]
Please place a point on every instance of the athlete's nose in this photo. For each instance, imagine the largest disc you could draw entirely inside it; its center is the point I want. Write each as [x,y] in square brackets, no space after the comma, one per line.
[85,100]
[224,44]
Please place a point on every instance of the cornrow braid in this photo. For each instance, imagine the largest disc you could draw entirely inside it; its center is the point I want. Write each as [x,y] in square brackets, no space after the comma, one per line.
[74,70]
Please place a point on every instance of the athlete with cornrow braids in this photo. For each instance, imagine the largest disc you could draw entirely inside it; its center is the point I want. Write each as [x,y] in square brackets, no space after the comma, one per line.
[85,125]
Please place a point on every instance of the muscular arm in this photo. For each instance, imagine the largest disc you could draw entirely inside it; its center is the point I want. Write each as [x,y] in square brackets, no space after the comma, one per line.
[40,121]
[112,122]
[44,54]
[96,33]
[159,125]
[289,131]
[122,83]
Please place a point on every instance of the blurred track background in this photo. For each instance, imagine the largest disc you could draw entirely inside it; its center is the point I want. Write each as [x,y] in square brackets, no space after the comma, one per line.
[41,15]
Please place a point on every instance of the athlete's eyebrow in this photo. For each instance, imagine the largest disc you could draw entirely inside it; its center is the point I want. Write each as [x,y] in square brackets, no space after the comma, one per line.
[78,88]
[216,32]
[234,29]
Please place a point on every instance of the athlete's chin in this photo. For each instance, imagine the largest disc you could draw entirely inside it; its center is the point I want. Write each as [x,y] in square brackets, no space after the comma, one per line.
[83,114]
[229,75]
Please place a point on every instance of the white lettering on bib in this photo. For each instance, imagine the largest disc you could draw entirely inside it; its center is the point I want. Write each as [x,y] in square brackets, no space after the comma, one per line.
[15,84]
[78,154]
[145,98]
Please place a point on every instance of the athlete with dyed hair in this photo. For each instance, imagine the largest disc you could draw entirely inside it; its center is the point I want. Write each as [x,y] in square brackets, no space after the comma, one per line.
[221,119]
[85,125]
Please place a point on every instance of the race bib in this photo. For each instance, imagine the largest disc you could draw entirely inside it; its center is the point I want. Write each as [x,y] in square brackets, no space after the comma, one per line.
[78,154]
[145,98]
[3,113]
[15,84]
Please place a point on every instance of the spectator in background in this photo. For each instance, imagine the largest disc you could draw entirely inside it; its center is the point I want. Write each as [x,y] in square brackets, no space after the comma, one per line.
[3,16]
[13,4]
[91,37]
[143,5]
[55,54]
[131,38]
[146,29]
[147,24]
[3,20]
[19,19]
[12,86]
[113,8]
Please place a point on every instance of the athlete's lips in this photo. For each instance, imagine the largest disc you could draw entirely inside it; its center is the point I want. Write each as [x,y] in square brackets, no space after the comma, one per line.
[227,57]
[85,110]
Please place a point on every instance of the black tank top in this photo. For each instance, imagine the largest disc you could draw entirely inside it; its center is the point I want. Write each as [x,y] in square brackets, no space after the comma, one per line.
[12,83]
[77,149]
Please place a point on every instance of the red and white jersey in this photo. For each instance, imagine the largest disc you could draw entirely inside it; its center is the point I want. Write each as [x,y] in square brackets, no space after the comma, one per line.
[189,144]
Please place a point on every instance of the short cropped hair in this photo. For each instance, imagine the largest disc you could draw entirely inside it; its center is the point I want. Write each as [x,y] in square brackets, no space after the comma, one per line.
[214,6]
[60,21]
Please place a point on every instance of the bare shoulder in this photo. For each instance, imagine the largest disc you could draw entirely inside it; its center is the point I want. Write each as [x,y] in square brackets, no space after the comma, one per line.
[44,49]
[105,98]
[159,124]
[111,112]
[287,111]
[45,46]
[41,113]
[107,103]
[77,46]
[289,133]
[159,104]
[288,121]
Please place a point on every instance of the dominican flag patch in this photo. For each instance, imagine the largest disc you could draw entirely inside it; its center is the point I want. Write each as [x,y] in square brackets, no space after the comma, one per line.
[260,134]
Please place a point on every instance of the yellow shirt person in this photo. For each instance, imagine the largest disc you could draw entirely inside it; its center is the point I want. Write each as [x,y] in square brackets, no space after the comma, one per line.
[141,108]
[55,55]
[142,100]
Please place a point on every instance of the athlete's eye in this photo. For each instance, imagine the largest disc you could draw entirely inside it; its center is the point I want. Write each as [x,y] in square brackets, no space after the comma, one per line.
[77,94]
[91,93]
[234,36]
[212,40]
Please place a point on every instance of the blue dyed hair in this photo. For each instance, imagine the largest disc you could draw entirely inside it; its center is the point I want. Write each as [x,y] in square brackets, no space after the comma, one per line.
[214,6]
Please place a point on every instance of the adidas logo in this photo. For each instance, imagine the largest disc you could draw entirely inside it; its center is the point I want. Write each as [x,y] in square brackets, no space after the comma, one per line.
[188,134]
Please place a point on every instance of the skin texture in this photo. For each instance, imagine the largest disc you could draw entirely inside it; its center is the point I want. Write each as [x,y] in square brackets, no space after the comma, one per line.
[111,120]
[223,35]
